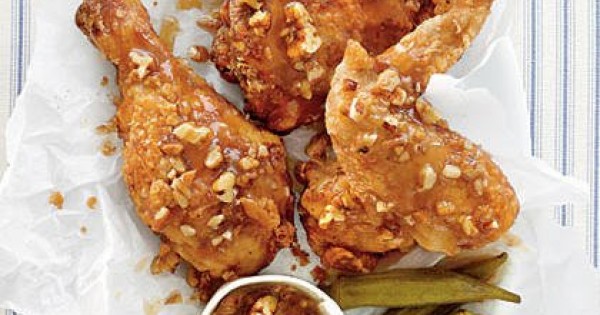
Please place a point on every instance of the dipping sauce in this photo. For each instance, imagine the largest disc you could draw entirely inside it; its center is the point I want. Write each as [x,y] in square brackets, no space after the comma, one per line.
[268,299]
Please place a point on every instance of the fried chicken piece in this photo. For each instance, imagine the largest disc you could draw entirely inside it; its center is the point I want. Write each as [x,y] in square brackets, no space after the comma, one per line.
[284,52]
[209,182]
[400,176]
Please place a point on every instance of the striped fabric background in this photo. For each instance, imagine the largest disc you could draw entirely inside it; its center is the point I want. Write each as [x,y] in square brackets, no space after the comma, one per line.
[559,50]
[557,42]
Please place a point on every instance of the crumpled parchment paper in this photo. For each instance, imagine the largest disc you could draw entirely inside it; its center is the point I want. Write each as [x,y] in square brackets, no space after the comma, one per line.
[49,266]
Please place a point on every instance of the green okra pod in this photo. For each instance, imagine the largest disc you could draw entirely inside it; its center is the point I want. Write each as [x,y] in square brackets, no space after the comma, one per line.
[414,287]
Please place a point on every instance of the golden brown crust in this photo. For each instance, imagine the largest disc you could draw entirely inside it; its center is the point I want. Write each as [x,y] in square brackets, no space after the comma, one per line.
[399,175]
[284,52]
[183,151]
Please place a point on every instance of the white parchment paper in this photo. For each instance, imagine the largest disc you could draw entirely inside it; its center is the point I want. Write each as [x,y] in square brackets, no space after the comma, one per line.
[48,266]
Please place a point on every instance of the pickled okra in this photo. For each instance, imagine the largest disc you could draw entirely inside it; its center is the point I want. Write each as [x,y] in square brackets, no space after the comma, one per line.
[420,287]
[484,269]
[414,287]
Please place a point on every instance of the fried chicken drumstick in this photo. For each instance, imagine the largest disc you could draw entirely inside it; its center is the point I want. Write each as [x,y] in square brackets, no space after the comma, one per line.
[212,185]
[400,176]
[283,53]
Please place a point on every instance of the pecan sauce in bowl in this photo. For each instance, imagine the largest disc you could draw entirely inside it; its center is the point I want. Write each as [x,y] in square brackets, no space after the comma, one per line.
[272,294]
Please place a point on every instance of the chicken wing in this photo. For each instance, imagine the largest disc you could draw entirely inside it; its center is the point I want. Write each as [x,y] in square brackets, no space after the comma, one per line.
[400,176]
[211,184]
[284,52]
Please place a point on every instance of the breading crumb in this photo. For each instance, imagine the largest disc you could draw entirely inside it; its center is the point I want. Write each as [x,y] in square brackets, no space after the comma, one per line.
[319,274]
[56,199]
[108,128]
[173,298]
[91,202]
[108,147]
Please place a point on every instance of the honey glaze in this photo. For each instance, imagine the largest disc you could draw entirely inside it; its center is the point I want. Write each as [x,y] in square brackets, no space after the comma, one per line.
[189,4]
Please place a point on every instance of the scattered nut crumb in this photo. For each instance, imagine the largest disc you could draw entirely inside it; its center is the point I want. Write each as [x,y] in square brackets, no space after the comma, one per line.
[214,158]
[56,199]
[187,230]
[209,24]
[260,22]
[319,274]
[215,221]
[382,206]
[248,163]
[451,171]
[428,177]
[172,148]
[223,186]
[91,202]
[301,37]
[228,235]
[468,226]
[108,147]
[107,128]
[83,229]
[265,305]
[263,151]
[142,61]
[304,89]
[104,81]
[494,225]
[166,260]
[199,53]
[428,114]
[191,133]
[330,214]
[162,213]
[173,298]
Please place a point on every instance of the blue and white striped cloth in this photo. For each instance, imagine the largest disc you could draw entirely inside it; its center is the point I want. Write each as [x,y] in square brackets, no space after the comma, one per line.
[558,45]
[15,26]
[559,48]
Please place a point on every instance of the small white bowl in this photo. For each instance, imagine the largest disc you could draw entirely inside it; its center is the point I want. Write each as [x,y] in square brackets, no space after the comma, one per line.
[326,304]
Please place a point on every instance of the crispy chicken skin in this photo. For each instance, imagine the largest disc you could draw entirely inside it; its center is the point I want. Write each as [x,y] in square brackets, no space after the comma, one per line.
[283,53]
[212,185]
[400,176]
